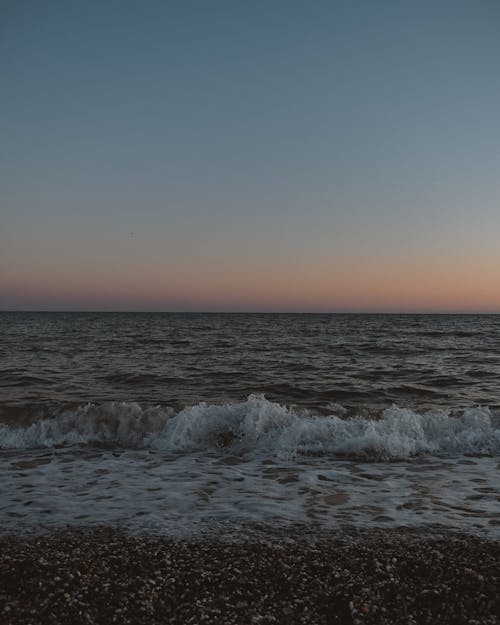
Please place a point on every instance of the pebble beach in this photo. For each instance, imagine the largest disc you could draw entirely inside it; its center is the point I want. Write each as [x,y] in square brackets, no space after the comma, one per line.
[103,575]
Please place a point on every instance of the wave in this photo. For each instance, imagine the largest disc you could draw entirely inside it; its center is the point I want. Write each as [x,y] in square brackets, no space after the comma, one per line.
[261,426]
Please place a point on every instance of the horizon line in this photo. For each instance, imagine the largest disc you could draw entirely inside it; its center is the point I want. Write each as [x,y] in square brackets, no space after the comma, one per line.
[252,312]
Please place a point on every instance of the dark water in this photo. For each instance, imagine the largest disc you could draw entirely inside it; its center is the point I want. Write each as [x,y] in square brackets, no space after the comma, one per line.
[359,361]
[209,422]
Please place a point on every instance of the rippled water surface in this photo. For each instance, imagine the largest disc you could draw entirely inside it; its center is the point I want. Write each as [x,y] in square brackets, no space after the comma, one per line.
[359,361]
[187,422]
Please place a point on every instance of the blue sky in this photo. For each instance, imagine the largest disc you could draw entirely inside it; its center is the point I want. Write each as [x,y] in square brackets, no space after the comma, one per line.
[265,155]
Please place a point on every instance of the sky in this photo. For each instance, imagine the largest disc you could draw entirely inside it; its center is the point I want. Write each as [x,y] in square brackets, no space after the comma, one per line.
[270,155]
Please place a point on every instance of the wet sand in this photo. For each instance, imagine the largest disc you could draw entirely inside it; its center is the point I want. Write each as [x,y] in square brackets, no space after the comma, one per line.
[105,576]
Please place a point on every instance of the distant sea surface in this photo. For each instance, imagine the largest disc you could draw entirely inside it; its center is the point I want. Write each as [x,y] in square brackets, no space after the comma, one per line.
[189,423]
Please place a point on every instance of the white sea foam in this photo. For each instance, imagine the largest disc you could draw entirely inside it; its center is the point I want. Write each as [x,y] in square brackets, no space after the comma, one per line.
[125,424]
[258,425]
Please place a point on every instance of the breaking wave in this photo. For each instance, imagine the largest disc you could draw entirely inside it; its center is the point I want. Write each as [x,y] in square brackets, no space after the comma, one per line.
[261,426]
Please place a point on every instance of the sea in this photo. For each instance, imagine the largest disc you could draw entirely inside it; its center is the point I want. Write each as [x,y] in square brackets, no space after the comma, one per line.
[220,424]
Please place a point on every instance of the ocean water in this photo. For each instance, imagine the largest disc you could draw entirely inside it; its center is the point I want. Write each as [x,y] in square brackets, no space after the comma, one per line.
[215,423]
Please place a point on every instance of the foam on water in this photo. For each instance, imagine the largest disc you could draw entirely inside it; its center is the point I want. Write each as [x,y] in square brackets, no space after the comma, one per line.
[185,494]
[301,458]
[257,426]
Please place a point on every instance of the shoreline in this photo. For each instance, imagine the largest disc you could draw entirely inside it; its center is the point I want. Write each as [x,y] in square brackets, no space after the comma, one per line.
[105,575]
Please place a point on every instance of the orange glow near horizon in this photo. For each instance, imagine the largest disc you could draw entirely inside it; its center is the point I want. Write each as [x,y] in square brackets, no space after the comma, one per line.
[423,287]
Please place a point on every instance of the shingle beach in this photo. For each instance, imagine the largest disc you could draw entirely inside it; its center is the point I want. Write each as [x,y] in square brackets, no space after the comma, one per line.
[104,576]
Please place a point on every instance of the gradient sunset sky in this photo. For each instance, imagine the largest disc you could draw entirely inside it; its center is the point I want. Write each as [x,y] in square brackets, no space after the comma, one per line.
[250,155]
